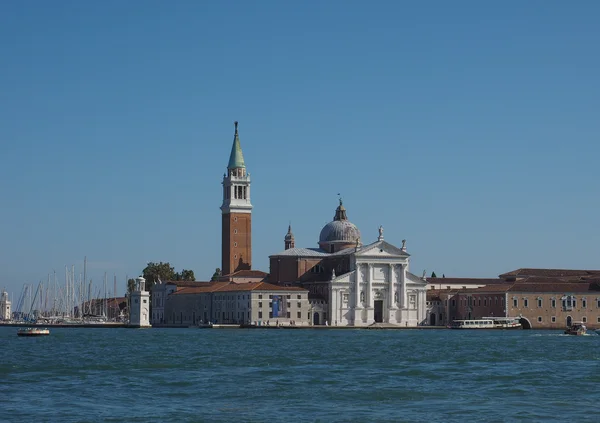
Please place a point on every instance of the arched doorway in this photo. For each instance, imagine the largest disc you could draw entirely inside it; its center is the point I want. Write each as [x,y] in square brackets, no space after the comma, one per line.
[316,319]
[432,319]
[525,323]
[569,321]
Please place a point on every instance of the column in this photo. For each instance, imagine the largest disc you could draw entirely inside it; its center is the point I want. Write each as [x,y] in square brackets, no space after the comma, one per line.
[369,293]
[357,304]
[391,294]
[403,299]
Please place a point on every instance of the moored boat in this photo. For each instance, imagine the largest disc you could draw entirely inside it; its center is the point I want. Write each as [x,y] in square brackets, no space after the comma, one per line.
[33,332]
[577,329]
[487,323]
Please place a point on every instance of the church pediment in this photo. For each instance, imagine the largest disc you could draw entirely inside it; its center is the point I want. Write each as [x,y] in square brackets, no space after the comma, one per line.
[381,249]
[414,279]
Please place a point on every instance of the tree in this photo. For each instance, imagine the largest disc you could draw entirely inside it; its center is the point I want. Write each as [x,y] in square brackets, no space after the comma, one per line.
[216,275]
[443,276]
[433,275]
[185,275]
[157,271]
[130,285]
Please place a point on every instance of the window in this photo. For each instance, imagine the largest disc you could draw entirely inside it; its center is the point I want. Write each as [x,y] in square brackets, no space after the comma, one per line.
[288,314]
[289,297]
[235,244]
[515,302]
[453,303]
[598,319]
[270,297]
[260,296]
[299,297]
[584,319]
[317,269]
[584,303]
[553,319]
[525,303]
[539,302]
[260,304]
[540,319]
[568,302]
[145,301]
[271,314]
[485,302]
[598,303]
[553,302]
[300,304]
[235,231]
[270,304]
[299,315]
[288,305]
[260,314]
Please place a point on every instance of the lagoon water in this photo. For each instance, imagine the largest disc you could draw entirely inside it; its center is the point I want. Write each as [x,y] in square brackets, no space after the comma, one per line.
[258,375]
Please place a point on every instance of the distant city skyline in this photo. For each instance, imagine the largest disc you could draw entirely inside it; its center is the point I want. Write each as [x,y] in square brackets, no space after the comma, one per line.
[468,129]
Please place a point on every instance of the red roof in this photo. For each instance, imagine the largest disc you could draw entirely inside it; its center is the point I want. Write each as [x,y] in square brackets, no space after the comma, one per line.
[465,281]
[185,283]
[248,274]
[552,273]
[236,287]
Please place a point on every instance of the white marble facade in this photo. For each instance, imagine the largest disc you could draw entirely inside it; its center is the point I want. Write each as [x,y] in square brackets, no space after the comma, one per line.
[379,289]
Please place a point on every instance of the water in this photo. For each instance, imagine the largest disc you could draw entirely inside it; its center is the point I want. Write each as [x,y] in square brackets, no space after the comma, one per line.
[257,375]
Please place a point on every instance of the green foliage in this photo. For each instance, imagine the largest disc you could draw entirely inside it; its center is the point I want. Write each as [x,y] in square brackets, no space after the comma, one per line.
[130,285]
[433,275]
[216,275]
[158,271]
[185,275]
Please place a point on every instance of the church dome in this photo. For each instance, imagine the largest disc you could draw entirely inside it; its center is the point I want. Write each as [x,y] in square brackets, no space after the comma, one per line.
[340,233]
[339,230]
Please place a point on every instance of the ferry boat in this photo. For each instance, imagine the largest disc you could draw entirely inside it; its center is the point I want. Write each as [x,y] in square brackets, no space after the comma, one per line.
[487,323]
[33,332]
[577,329]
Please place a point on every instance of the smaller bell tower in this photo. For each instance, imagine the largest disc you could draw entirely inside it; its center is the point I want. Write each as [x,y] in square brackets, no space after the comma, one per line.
[289,238]
[139,305]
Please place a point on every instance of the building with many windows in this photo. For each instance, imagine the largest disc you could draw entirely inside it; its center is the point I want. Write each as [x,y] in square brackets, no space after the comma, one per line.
[258,303]
[540,302]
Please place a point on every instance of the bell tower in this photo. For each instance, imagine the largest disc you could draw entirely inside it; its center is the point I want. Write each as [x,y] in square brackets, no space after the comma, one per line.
[236,213]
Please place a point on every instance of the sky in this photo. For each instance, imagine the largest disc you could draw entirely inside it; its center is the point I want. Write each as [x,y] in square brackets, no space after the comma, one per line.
[468,128]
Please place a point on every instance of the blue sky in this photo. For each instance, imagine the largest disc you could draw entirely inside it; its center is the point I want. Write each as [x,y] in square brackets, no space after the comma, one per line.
[470,129]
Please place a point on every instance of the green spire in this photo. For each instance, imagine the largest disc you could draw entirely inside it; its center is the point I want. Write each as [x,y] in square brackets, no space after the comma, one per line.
[236,159]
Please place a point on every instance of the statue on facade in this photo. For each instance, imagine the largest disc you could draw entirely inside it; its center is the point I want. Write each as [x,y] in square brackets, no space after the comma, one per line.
[380,233]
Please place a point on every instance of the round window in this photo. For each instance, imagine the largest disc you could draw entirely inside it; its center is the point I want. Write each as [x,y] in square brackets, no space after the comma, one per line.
[235,219]
[235,231]
[235,244]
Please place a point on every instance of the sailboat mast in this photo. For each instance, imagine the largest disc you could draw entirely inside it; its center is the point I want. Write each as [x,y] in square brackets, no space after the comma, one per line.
[104,304]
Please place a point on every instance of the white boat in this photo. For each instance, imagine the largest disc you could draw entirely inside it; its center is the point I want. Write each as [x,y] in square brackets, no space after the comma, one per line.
[33,332]
[577,329]
[505,322]
[487,323]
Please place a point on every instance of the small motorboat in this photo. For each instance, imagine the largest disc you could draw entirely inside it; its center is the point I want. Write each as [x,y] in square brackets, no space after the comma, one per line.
[33,332]
[577,328]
